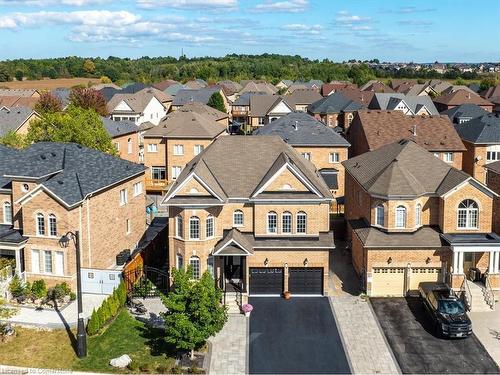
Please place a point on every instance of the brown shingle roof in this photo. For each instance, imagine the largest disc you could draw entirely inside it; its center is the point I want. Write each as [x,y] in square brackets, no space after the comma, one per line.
[361,97]
[138,101]
[186,124]
[461,97]
[261,104]
[403,169]
[18,101]
[434,133]
[303,96]
[204,110]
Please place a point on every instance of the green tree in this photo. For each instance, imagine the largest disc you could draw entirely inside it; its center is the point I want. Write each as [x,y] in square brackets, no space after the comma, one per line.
[4,73]
[93,325]
[48,103]
[360,74]
[13,139]
[488,82]
[19,75]
[194,311]
[217,101]
[88,66]
[83,126]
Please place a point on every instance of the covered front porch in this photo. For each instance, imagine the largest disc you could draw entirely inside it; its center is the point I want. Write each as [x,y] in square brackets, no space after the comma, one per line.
[11,256]
[475,257]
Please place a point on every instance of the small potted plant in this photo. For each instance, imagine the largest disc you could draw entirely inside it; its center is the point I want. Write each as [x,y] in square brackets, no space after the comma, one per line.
[247,309]
[287,294]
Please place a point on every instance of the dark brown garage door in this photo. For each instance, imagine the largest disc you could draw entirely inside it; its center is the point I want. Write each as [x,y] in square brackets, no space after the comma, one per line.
[266,280]
[305,280]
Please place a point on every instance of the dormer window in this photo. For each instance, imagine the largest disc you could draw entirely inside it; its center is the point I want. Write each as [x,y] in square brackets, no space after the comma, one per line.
[468,214]
[286,187]
[379,215]
[401,217]
[418,214]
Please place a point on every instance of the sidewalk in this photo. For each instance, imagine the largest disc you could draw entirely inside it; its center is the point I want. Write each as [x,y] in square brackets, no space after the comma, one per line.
[229,348]
[486,327]
[364,342]
[30,317]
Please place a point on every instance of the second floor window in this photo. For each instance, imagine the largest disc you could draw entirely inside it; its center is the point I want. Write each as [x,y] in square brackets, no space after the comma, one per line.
[468,214]
[334,157]
[272,222]
[209,226]
[123,197]
[137,188]
[178,226]
[158,173]
[448,157]
[40,225]
[418,214]
[379,215]
[152,147]
[7,213]
[178,149]
[306,155]
[237,218]
[194,228]
[198,149]
[176,171]
[52,225]
[286,222]
[401,217]
[301,222]
[129,146]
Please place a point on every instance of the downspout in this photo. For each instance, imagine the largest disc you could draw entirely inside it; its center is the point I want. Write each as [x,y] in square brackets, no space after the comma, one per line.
[88,231]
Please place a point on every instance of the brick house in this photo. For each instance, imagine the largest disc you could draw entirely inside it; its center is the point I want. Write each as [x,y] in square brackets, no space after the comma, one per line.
[300,99]
[49,189]
[420,105]
[335,110]
[464,113]
[266,108]
[373,129]
[493,182]
[481,137]
[260,228]
[16,119]
[414,218]
[168,147]
[316,142]
[459,97]
[125,137]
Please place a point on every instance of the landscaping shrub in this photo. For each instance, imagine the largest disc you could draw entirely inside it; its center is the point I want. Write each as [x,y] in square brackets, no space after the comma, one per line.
[16,287]
[108,310]
[39,288]
[72,296]
[133,366]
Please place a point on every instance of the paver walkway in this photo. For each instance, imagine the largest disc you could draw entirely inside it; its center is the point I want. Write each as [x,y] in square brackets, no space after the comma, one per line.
[363,340]
[229,354]
[48,318]
[486,327]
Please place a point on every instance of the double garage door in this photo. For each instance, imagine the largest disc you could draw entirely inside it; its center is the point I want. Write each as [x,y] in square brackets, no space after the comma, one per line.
[392,281]
[272,280]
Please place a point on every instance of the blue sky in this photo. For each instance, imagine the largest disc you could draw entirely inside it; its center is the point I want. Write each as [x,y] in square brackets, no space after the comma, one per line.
[390,30]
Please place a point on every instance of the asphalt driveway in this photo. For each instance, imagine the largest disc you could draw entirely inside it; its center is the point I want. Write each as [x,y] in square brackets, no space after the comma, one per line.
[297,336]
[409,333]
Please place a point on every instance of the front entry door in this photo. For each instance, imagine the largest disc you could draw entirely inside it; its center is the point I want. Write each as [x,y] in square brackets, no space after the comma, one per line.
[233,269]
[468,262]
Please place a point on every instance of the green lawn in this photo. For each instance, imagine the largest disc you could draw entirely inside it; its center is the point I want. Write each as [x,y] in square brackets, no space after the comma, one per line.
[52,349]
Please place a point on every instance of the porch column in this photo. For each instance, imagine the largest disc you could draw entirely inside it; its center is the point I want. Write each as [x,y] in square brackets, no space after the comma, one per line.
[18,262]
[461,262]
[455,262]
[496,262]
[491,263]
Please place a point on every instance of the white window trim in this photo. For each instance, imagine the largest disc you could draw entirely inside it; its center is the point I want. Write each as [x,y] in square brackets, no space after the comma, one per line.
[267,222]
[467,220]
[331,157]
[51,262]
[199,229]
[124,201]
[243,219]
[176,150]
[138,192]
[405,218]
[377,224]
[179,233]
[297,223]
[37,229]
[128,227]
[5,204]
[213,226]
[194,257]
[150,145]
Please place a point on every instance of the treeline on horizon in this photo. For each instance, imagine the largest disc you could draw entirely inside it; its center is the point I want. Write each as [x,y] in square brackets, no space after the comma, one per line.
[270,67]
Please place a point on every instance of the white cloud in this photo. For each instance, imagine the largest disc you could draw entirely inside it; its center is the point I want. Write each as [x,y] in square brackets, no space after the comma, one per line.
[290,6]
[353,22]
[43,3]
[300,28]
[188,4]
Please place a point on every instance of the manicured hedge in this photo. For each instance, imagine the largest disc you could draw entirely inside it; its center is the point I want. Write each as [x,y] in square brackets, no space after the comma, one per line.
[108,310]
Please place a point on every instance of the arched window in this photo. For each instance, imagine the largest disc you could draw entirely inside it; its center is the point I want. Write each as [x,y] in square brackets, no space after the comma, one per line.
[301,222]
[286,222]
[349,118]
[400,217]
[40,225]
[194,262]
[272,222]
[209,226]
[379,215]
[52,225]
[468,214]
[129,145]
[7,213]
[179,232]
[194,228]
[179,262]
[237,218]
[418,214]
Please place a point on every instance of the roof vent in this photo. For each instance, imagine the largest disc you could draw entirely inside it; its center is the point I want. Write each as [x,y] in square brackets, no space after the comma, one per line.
[60,182]
[415,130]
[296,125]
[43,157]
[53,154]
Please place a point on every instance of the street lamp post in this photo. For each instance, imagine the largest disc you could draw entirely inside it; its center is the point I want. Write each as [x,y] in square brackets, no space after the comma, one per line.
[81,337]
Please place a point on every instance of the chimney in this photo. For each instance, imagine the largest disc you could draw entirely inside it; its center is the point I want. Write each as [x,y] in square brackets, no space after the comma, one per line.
[468,96]
[296,125]
[415,130]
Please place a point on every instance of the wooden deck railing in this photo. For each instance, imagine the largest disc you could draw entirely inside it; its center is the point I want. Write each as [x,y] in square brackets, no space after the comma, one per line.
[155,184]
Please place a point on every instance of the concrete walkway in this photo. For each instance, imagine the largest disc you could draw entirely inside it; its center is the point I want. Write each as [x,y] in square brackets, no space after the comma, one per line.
[229,348]
[486,327]
[49,318]
[364,342]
